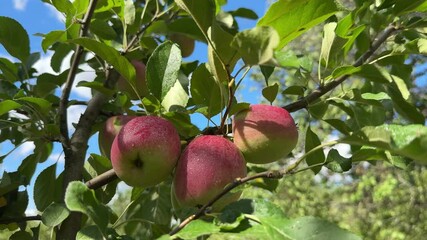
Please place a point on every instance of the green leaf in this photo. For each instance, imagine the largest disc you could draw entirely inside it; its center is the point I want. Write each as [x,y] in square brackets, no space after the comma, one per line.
[197,228]
[344,70]
[80,198]
[293,18]
[206,92]
[244,13]
[376,96]
[53,37]
[14,38]
[163,68]
[337,163]
[404,108]
[106,5]
[409,141]
[102,29]
[203,12]
[403,6]
[327,41]
[64,6]
[7,105]
[270,92]
[256,45]
[311,228]
[55,214]
[176,97]
[129,12]
[266,72]
[89,233]
[27,168]
[9,71]
[42,103]
[21,235]
[312,141]
[111,56]
[44,193]
[294,90]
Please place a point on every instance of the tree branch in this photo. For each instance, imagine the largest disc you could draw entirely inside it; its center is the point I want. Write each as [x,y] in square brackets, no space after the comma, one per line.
[322,90]
[63,126]
[20,219]
[237,182]
[102,179]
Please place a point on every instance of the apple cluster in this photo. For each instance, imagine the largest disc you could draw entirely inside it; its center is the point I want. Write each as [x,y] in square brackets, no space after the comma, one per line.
[145,150]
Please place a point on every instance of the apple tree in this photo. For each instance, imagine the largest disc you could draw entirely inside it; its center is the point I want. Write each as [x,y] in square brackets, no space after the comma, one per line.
[357,81]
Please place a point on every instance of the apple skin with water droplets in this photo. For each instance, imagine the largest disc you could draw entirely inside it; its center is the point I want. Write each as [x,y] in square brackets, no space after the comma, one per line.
[264,133]
[110,130]
[145,151]
[206,166]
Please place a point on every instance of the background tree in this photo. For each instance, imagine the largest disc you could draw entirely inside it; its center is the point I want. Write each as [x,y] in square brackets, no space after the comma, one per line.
[353,80]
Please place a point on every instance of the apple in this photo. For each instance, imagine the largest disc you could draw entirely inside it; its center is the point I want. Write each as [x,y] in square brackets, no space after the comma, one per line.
[141,84]
[264,133]
[185,43]
[145,151]
[110,130]
[206,166]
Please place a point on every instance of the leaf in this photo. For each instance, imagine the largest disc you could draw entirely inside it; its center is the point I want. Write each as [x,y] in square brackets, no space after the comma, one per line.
[327,41]
[111,56]
[293,18]
[80,198]
[106,5]
[129,12]
[9,71]
[28,167]
[266,72]
[55,214]
[7,105]
[44,193]
[163,68]
[42,103]
[376,96]
[244,13]
[203,12]
[405,109]
[205,91]
[409,141]
[21,235]
[270,92]
[14,38]
[176,97]
[64,6]
[197,228]
[311,228]
[294,90]
[337,163]
[316,157]
[89,233]
[256,45]
[53,37]
[344,70]
[102,29]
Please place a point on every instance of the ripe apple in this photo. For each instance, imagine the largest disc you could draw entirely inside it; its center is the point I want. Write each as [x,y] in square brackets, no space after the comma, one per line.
[264,133]
[141,84]
[206,166]
[145,151]
[185,43]
[110,130]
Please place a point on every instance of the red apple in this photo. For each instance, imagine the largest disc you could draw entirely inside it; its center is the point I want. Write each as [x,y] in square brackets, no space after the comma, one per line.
[264,133]
[145,151]
[206,166]
[110,130]
[141,84]
[185,43]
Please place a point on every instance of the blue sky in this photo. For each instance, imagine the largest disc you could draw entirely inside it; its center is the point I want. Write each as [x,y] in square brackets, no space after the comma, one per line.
[38,17]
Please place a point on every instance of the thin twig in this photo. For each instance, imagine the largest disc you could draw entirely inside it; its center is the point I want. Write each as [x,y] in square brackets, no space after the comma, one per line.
[78,53]
[322,90]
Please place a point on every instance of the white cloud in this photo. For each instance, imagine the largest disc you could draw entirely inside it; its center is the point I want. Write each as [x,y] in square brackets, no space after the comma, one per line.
[74,113]
[55,13]
[25,149]
[20,4]
[43,64]
[57,157]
